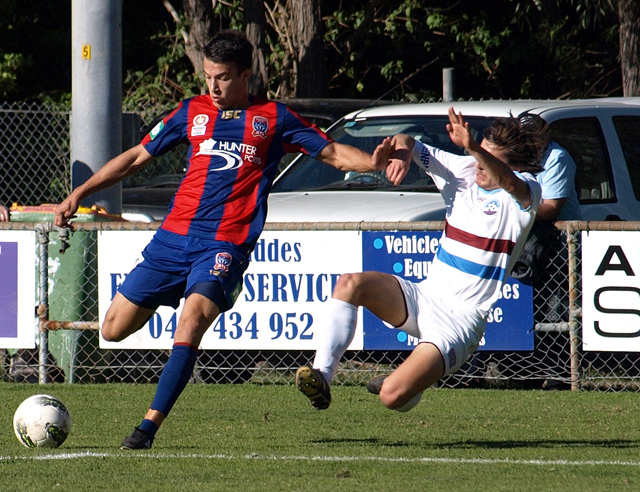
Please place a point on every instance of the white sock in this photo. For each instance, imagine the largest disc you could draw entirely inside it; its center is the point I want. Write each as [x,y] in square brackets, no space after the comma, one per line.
[333,336]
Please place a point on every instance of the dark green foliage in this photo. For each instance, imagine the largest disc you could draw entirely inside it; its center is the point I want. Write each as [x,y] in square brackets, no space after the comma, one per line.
[395,50]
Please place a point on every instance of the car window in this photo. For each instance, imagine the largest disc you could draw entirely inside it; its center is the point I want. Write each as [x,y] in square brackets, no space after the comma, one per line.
[584,140]
[628,129]
[307,174]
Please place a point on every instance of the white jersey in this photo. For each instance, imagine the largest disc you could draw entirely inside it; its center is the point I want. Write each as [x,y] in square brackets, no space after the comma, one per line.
[484,234]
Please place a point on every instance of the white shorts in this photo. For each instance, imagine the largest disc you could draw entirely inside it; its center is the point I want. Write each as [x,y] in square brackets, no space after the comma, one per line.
[456,330]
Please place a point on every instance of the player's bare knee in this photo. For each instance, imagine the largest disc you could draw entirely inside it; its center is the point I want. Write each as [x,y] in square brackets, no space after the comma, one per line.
[390,400]
[392,397]
[347,287]
[110,329]
[109,333]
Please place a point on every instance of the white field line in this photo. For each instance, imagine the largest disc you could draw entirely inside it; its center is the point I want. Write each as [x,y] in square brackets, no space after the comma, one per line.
[253,456]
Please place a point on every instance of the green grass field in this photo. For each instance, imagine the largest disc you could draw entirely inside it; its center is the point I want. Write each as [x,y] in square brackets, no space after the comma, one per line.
[268,438]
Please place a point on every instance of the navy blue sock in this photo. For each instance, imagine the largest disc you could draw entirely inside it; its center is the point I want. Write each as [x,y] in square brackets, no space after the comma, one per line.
[149,427]
[174,377]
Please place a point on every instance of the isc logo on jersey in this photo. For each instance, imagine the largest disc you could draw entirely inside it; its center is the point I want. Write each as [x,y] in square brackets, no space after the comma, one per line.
[231,153]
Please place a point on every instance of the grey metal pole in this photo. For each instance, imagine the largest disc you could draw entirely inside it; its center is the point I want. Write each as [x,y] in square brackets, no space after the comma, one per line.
[96,86]
[448,84]
[43,302]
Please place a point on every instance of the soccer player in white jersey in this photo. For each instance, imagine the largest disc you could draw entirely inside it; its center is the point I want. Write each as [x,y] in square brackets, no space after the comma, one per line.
[491,200]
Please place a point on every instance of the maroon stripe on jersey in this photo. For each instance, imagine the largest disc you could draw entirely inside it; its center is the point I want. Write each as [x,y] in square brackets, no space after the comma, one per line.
[483,243]
[187,200]
[240,206]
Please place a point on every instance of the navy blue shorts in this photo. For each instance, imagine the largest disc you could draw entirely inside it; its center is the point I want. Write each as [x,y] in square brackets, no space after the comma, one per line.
[175,266]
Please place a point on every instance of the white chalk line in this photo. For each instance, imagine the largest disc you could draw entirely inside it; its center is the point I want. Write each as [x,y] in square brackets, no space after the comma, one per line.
[255,456]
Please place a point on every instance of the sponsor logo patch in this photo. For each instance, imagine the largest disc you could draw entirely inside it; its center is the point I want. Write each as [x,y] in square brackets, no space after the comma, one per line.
[200,120]
[424,157]
[199,127]
[226,160]
[156,130]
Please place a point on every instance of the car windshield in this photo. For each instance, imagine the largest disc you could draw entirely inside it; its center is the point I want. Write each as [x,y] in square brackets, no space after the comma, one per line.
[308,174]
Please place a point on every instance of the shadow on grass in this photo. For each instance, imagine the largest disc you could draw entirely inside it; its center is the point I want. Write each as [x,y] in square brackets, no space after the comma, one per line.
[506,444]
[371,440]
[540,443]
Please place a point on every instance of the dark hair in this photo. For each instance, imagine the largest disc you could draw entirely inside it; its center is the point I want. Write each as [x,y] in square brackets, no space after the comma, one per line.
[535,124]
[230,46]
[525,140]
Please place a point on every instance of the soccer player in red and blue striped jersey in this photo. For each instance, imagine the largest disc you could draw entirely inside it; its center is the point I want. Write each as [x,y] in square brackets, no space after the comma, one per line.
[217,214]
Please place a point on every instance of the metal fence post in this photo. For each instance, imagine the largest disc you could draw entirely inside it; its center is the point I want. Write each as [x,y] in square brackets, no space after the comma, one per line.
[43,301]
[575,313]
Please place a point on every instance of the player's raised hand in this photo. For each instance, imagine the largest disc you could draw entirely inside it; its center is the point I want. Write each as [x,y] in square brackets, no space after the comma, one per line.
[459,130]
[382,154]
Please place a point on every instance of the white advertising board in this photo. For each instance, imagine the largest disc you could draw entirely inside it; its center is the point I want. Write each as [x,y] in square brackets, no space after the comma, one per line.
[611,291]
[290,277]
[18,323]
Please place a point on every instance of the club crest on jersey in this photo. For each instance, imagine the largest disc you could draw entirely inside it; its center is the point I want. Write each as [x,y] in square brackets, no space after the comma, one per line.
[491,207]
[223,262]
[199,127]
[260,126]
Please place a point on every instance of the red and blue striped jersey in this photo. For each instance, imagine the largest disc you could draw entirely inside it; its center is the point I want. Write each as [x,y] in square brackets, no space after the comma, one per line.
[232,160]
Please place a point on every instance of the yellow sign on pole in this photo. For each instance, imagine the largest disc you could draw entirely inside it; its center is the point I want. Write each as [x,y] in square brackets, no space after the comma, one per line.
[86,52]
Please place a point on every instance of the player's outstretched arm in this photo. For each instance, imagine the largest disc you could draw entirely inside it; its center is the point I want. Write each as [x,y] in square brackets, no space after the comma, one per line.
[114,171]
[500,172]
[349,158]
[346,158]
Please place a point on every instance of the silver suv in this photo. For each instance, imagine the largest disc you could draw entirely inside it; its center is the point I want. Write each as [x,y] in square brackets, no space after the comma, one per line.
[602,136]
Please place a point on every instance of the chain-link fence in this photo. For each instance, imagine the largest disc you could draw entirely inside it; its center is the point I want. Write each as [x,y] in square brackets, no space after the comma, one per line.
[34,148]
[73,355]
[36,155]
[34,145]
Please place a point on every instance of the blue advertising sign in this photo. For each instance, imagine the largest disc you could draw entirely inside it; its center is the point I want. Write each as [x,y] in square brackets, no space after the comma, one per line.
[9,291]
[18,323]
[409,255]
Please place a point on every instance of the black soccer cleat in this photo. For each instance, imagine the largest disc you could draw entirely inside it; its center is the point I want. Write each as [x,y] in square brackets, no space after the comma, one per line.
[375,384]
[314,386]
[138,440]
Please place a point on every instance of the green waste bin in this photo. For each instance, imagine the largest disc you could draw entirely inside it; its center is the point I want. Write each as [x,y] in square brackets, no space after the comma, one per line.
[73,290]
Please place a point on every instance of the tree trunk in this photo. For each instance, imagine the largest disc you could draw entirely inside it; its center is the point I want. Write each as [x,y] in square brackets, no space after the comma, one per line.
[306,31]
[256,27]
[199,14]
[629,15]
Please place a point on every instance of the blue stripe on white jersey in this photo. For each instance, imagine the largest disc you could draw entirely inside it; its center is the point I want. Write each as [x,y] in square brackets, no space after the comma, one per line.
[469,267]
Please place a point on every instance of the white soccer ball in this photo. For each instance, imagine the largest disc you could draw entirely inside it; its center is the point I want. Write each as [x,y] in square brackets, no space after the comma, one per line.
[42,421]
